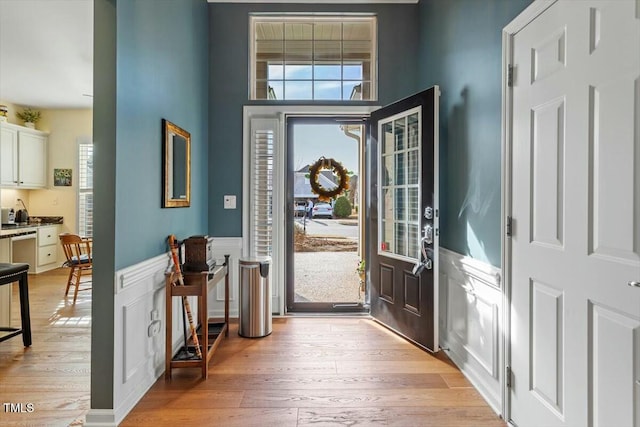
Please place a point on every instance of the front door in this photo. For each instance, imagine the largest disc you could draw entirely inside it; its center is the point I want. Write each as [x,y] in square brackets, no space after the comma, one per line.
[323,247]
[403,217]
[575,310]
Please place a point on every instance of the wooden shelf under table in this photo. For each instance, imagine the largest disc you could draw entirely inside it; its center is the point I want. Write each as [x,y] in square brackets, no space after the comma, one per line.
[210,333]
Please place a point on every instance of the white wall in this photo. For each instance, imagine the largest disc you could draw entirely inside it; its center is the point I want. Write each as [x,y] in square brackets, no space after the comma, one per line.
[228,246]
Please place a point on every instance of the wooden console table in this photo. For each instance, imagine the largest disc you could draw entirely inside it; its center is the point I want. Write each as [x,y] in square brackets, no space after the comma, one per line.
[210,333]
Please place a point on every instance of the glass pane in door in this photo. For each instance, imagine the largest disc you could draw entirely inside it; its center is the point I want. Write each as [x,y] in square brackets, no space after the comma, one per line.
[324,232]
[400,186]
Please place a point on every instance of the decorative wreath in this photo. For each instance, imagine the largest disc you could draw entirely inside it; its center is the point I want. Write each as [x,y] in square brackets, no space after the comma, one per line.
[324,194]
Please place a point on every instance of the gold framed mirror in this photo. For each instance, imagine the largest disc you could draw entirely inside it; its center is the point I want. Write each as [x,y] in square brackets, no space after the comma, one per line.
[176,157]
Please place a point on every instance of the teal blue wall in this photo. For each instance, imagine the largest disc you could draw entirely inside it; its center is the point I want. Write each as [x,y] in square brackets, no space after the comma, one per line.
[229,88]
[187,61]
[162,72]
[151,62]
[104,138]
[461,50]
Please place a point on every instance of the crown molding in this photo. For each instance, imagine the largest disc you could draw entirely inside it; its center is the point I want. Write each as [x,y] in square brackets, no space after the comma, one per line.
[318,1]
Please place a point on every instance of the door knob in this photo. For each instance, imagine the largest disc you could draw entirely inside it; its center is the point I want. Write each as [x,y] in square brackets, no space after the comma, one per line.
[428,234]
[634,284]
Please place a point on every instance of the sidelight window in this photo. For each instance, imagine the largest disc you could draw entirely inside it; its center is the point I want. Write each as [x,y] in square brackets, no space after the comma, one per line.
[313,57]
[399,198]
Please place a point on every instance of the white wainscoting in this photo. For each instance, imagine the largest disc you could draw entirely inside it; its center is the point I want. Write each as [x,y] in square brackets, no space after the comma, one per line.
[470,321]
[139,330]
[226,246]
[139,326]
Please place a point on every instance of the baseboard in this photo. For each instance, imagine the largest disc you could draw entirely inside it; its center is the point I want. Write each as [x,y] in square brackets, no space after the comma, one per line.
[100,418]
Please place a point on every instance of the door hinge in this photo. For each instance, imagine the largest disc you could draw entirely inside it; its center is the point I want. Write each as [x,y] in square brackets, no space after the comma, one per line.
[508,376]
[509,226]
[510,75]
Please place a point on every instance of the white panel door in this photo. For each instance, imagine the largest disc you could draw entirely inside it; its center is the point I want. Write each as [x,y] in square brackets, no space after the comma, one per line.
[575,318]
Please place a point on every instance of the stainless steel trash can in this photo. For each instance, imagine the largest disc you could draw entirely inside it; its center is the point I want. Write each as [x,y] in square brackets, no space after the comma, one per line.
[255,298]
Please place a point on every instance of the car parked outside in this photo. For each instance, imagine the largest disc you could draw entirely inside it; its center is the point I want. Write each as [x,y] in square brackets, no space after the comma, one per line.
[322,210]
[299,209]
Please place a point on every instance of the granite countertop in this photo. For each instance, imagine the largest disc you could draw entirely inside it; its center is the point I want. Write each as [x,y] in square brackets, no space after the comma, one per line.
[45,220]
[30,228]
[20,230]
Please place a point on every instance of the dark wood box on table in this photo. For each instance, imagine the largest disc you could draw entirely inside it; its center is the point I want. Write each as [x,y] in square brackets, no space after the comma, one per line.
[198,254]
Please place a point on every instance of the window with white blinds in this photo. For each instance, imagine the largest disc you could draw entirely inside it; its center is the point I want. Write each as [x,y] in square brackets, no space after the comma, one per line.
[263,143]
[85,189]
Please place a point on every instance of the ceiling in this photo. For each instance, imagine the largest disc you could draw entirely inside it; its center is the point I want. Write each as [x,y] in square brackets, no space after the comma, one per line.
[46,53]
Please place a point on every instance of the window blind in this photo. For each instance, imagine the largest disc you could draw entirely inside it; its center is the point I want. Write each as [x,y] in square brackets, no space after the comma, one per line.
[263,142]
[85,189]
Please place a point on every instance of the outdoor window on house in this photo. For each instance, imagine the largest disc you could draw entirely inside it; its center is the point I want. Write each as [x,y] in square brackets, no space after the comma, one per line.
[85,189]
[313,57]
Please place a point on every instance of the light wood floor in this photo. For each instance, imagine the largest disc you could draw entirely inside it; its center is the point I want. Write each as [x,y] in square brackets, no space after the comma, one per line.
[317,372]
[52,374]
[310,371]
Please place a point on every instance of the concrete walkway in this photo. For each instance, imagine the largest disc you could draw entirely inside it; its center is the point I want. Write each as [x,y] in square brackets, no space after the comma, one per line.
[326,276]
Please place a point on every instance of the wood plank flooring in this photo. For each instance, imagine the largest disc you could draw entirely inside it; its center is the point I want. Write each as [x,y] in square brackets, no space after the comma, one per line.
[54,373]
[319,371]
[309,372]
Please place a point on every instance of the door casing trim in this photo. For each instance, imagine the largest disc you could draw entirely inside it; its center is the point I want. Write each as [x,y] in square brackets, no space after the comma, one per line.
[508,33]
[280,111]
[325,307]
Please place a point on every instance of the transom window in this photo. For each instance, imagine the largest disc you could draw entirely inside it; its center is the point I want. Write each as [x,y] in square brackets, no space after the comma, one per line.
[313,57]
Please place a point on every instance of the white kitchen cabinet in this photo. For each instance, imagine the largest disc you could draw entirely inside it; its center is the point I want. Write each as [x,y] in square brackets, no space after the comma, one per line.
[23,157]
[47,258]
[38,249]
[8,156]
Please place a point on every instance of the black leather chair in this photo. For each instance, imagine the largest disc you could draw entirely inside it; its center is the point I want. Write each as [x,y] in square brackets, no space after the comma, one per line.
[10,273]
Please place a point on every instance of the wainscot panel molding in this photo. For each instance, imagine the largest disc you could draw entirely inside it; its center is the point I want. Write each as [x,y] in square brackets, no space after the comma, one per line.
[226,246]
[139,323]
[470,321]
[133,275]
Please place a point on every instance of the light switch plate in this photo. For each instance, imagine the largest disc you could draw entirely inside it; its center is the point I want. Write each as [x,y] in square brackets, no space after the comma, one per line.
[229,202]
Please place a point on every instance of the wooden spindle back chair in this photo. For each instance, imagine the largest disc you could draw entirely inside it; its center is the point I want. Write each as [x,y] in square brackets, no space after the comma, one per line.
[77,250]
